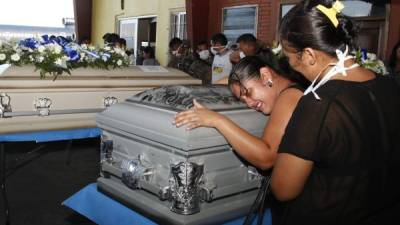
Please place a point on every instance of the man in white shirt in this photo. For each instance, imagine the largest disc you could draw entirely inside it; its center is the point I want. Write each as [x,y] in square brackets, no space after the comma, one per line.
[222,65]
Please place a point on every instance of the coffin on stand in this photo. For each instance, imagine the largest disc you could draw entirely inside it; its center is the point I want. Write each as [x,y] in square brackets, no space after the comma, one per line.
[172,175]
[28,103]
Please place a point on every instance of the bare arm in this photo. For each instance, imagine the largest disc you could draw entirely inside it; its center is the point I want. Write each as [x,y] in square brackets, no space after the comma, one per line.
[261,152]
[289,176]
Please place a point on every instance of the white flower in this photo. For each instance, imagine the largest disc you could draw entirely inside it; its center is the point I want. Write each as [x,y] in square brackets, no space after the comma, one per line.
[2,57]
[31,58]
[107,48]
[371,56]
[58,62]
[57,49]
[119,62]
[41,49]
[84,46]
[40,59]
[92,48]
[15,57]
[61,62]
[104,58]
[120,51]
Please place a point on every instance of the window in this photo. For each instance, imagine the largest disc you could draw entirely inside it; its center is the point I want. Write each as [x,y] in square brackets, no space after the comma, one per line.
[239,20]
[369,16]
[128,29]
[178,25]
[353,8]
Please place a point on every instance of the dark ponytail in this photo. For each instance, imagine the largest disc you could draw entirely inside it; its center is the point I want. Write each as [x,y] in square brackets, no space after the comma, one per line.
[306,26]
[249,68]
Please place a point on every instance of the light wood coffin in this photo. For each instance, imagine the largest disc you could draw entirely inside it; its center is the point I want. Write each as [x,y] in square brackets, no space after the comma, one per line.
[74,99]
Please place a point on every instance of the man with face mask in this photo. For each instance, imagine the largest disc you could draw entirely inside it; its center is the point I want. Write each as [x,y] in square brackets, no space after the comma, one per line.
[221,66]
[201,65]
[203,51]
[175,52]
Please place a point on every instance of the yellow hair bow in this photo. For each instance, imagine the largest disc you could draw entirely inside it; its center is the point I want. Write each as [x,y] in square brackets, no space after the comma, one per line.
[331,13]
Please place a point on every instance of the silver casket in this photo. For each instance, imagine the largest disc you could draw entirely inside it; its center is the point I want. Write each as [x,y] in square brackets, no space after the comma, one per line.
[172,175]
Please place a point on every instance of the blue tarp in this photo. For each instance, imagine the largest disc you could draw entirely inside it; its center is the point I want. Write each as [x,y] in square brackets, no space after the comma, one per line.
[103,210]
[55,135]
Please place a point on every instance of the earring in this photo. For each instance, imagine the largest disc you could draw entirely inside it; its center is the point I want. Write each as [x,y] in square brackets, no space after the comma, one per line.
[269,82]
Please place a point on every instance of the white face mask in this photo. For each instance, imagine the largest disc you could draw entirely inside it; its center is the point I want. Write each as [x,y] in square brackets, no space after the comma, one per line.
[176,53]
[242,55]
[213,51]
[204,54]
[338,68]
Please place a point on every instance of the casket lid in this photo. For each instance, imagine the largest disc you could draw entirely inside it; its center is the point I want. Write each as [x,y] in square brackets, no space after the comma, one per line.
[178,98]
[149,115]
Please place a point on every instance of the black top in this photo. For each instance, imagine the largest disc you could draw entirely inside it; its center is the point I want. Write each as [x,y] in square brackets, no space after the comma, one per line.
[355,178]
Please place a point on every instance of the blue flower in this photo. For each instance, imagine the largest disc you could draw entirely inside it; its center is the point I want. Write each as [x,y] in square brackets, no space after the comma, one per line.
[72,53]
[29,43]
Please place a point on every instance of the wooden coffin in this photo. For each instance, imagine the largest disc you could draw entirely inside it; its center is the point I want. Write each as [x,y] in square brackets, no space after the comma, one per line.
[29,103]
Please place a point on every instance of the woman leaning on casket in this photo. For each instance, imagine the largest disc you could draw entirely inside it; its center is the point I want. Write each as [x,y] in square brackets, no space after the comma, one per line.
[338,162]
[264,85]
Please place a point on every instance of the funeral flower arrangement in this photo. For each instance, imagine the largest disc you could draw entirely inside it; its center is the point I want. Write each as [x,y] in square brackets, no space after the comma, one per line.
[362,57]
[57,55]
[370,61]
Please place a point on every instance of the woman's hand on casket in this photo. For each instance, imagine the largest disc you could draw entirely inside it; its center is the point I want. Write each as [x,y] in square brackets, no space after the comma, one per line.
[198,116]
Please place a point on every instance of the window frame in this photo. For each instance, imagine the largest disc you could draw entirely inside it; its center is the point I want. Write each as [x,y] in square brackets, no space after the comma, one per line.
[172,33]
[256,6]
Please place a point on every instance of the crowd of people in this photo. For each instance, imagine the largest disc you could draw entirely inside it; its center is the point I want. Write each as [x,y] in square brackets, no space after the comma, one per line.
[331,139]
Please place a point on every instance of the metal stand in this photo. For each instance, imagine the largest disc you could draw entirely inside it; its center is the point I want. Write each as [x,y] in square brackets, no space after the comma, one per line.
[3,183]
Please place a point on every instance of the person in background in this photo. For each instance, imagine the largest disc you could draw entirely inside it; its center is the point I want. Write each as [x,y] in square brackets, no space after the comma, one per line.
[175,52]
[394,60]
[110,39]
[247,45]
[149,58]
[200,67]
[338,159]
[221,66]
[203,52]
[121,43]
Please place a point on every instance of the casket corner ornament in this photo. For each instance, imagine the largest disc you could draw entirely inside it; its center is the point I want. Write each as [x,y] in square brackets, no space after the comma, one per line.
[186,186]
[42,106]
[5,105]
[109,101]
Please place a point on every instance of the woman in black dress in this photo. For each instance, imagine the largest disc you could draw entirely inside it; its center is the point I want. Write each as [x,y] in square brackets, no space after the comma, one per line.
[268,86]
[339,158]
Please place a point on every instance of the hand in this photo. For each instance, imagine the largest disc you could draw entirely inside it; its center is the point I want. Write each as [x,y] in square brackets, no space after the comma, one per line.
[198,116]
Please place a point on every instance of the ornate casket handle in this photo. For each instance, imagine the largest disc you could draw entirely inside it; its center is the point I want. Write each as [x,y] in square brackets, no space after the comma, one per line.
[42,105]
[4,104]
[109,101]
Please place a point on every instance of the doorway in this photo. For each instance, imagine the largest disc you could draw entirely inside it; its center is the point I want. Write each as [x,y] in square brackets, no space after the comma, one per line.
[139,32]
